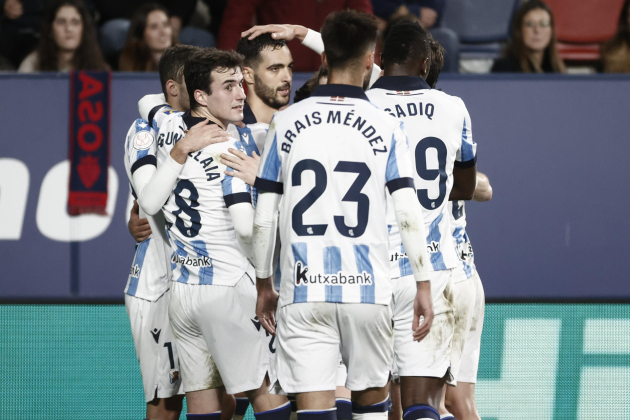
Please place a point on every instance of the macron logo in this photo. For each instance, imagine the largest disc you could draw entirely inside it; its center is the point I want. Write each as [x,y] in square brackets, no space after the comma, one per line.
[192,262]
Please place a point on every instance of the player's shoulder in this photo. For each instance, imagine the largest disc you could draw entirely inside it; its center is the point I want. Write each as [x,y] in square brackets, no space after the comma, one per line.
[455,101]
[171,121]
[139,135]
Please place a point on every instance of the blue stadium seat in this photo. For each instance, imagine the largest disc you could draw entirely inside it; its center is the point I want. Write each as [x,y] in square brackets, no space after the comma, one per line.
[482,25]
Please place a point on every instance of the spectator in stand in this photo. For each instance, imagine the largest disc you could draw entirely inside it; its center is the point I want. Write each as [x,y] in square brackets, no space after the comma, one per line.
[240,15]
[428,13]
[149,36]
[616,52]
[20,23]
[532,48]
[68,41]
[116,15]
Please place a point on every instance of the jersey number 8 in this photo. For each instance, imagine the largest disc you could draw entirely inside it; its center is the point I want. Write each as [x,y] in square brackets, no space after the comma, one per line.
[321,181]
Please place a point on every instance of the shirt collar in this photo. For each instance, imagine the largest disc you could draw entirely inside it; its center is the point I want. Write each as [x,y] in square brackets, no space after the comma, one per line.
[190,121]
[347,91]
[400,83]
[248,115]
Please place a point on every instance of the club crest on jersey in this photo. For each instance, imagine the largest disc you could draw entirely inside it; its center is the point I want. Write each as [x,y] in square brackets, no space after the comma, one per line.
[340,278]
[433,247]
[337,98]
[202,261]
[135,271]
[143,140]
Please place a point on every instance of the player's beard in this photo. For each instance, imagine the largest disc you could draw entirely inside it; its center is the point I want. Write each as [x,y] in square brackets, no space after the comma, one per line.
[366,80]
[269,95]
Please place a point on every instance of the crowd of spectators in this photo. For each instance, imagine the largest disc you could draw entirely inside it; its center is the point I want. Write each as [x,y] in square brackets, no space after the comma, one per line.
[131,35]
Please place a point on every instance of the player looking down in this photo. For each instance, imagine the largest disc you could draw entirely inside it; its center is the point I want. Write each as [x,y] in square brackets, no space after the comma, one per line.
[147,293]
[444,159]
[331,158]
[209,218]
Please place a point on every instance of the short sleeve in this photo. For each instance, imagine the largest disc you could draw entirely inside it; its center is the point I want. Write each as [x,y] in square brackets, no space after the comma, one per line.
[235,190]
[467,153]
[141,145]
[399,172]
[270,169]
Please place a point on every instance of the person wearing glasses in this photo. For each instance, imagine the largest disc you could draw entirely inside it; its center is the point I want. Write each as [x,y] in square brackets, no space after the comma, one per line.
[532,48]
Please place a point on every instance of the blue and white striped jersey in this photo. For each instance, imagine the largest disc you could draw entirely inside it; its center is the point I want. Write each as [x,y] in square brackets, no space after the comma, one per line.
[333,156]
[465,254]
[440,137]
[199,224]
[150,271]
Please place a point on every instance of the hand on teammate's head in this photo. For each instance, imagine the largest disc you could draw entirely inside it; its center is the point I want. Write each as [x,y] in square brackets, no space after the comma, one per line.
[286,32]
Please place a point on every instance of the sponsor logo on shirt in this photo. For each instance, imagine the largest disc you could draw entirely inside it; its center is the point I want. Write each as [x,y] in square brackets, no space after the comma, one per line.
[302,278]
[192,261]
[135,271]
[433,247]
[397,256]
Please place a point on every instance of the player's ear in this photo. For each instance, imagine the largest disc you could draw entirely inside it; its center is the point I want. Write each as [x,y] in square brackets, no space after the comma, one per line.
[325,60]
[425,66]
[248,75]
[201,97]
[369,60]
[172,88]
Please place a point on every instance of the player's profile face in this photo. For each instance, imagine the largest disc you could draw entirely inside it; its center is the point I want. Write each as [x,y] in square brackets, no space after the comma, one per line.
[273,77]
[158,34]
[537,30]
[68,28]
[228,97]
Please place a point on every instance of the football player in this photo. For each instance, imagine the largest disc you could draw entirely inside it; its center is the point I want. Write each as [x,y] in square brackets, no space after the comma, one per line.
[331,158]
[444,161]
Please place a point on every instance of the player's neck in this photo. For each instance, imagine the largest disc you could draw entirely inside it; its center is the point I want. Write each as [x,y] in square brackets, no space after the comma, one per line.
[396,70]
[262,111]
[202,112]
[346,77]
[174,103]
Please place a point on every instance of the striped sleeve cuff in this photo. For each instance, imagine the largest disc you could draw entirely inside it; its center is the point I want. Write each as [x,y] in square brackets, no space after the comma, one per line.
[468,164]
[269,186]
[242,197]
[147,160]
[398,183]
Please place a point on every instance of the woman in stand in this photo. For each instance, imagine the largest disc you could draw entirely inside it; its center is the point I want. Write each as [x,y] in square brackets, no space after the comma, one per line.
[149,36]
[68,41]
[532,48]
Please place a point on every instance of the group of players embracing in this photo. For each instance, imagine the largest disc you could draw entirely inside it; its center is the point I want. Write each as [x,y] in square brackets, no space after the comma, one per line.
[368,304]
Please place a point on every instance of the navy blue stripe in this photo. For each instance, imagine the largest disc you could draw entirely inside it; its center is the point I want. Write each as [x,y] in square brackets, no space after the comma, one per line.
[242,197]
[344,409]
[279,413]
[147,160]
[398,183]
[153,112]
[374,408]
[241,406]
[420,411]
[318,415]
[468,164]
[269,186]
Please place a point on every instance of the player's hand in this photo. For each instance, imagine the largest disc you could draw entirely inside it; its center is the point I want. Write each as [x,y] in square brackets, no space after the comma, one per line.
[13,9]
[286,32]
[139,228]
[245,167]
[198,136]
[422,306]
[267,304]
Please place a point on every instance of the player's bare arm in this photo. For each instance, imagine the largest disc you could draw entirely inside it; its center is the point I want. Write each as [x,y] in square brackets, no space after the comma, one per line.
[139,228]
[464,181]
[483,192]
[245,167]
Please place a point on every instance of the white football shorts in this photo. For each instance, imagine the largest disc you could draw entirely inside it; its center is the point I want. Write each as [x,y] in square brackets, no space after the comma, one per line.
[155,346]
[310,336]
[430,357]
[470,304]
[219,338]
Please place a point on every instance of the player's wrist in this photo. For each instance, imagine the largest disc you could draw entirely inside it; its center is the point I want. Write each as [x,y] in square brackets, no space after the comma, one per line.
[300,32]
[180,152]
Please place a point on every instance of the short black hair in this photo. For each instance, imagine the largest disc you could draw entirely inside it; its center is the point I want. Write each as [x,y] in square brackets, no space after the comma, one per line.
[406,42]
[251,49]
[171,66]
[198,69]
[437,62]
[347,35]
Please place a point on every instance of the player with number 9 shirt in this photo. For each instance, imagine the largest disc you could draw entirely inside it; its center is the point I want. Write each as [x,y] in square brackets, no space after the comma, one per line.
[444,159]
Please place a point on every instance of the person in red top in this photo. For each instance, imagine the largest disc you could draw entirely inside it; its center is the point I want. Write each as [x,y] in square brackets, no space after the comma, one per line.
[240,15]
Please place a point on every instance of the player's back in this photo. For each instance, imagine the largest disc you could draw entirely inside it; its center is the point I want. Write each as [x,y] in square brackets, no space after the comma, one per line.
[150,272]
[199,222]
[438,128]
[333,156]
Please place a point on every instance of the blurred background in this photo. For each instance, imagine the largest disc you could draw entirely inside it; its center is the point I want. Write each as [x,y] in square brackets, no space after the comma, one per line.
[548,91]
